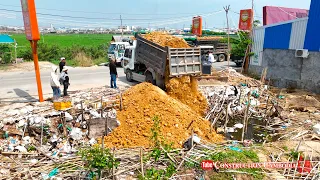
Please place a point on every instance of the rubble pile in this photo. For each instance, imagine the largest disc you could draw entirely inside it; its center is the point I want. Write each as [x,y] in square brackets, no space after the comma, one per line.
[164,39]
[185,89]
[141,104]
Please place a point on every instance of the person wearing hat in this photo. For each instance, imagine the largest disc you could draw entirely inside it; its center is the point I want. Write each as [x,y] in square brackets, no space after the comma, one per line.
[62,63]
[54,82]
[64,79]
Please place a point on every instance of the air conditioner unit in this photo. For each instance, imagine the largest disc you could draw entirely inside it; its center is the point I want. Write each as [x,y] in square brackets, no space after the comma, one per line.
[303,53]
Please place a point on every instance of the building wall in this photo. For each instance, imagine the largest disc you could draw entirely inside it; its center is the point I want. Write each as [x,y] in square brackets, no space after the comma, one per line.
[285,70]
[312,40]
[278,37]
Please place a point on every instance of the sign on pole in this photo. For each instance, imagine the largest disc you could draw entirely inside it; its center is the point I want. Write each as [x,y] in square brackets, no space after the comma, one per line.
[33,35]
[245,22]
[197,26]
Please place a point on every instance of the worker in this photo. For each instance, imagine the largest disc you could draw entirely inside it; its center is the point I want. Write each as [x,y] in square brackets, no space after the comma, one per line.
[62,63]
[113,74]
[64,79]
[211,57]
[54,82]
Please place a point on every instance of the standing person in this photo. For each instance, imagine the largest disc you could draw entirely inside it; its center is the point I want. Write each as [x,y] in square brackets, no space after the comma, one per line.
[211,58]
[64,78]
[54,82]
[113,74]
[62,63]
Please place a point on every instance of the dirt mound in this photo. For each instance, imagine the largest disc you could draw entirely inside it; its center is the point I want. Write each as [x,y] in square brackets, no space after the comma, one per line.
[145,101]
[185,89]
[164,39]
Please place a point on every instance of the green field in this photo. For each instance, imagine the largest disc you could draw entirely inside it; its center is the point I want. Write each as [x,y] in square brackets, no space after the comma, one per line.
[67,40]
[53,46]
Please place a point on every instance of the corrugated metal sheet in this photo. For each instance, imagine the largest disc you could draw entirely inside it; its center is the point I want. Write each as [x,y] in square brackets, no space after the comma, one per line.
[257,46]
[312,40]
[298,34]
[278,37]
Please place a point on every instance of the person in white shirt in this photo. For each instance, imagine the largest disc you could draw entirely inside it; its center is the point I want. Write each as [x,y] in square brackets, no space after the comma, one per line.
[54,82]
[211,57]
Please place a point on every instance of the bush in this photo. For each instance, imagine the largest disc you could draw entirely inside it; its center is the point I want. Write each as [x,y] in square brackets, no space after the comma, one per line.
[5,53]
[83,60]
[82,55]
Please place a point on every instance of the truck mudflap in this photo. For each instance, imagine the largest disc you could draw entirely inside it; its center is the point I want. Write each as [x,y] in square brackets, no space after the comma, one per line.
[184,61]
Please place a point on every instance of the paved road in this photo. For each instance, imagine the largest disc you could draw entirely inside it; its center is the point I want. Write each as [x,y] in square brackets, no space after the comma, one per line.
[21,86]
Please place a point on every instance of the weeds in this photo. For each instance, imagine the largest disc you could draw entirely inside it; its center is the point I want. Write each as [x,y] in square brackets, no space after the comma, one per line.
[98,159]
[160,148]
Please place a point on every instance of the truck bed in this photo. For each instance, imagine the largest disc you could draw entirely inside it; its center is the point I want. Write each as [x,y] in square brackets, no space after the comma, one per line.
[182,61]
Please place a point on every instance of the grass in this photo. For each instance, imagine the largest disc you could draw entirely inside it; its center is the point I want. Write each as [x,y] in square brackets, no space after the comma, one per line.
[67,40]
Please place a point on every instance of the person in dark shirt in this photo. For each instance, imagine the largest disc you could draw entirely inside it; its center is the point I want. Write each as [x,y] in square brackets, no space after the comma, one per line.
[64,78]
[62,63]
[113,74]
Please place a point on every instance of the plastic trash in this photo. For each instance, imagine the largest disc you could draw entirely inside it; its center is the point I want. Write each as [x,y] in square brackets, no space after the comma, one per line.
[21,123]
[1,125]
[316,129]
[230,130]
[92,141]
[235,148]
[68,116]
[53,172]
[76,133]
[26,140]
[238,126]
[188,143]
[95,114]
[21,149]
[281,97]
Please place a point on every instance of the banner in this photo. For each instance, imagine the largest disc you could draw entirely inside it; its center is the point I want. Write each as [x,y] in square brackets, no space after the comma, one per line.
[197,26]
[30,20]
[245,22]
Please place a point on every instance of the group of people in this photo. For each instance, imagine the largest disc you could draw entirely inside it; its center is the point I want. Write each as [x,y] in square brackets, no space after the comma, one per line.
[61,79]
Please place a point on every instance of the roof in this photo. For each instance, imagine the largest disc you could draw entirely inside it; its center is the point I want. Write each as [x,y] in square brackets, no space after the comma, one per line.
[5,39]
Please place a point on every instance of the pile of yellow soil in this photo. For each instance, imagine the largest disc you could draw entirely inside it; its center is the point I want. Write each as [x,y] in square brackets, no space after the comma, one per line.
[145,101]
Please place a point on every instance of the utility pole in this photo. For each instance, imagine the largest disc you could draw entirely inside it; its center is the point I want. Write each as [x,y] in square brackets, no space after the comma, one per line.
[121,27]
[227,8]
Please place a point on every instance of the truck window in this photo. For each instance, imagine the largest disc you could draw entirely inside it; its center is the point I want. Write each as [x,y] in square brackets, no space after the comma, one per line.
[128,53]
[112,47]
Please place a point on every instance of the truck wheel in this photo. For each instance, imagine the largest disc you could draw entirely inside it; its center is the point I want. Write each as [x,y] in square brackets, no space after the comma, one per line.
[221,58]
[150,79]
[129,75]
[215,57]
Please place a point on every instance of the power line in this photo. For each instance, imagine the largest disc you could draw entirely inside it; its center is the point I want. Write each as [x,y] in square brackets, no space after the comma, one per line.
[91,12]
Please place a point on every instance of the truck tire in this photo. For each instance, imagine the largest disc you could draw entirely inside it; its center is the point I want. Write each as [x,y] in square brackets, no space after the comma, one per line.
[221,58]
[129,75]
[215,57]
[150,79]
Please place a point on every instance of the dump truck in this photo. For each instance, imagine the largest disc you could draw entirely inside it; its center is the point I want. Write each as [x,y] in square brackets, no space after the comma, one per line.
[209,43]
[147,61]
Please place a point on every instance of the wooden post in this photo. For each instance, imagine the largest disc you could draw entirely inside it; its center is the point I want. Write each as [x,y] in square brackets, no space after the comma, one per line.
[245,117]
[101,107]
[63,121]
[106,126]
[227,8]
[227,119]
[141,162]
[41,133]
[82,115]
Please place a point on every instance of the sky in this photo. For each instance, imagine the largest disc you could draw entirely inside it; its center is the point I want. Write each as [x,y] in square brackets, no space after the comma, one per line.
[144,13]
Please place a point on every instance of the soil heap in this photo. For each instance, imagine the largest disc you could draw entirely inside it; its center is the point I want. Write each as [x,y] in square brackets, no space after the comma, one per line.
[145,101]
[185,89]
[164,39]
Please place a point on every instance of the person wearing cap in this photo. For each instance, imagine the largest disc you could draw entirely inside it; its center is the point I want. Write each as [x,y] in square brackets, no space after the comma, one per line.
[62,63]
[64,79]
[54,82]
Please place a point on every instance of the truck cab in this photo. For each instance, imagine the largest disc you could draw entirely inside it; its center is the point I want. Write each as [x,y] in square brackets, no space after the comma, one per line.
[116,51]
